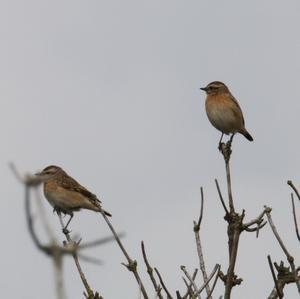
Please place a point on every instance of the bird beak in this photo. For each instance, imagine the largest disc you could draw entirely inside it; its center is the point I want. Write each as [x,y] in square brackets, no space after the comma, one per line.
[203,88]
[38,173]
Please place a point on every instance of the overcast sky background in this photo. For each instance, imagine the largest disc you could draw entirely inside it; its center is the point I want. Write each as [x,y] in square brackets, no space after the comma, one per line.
[109,90]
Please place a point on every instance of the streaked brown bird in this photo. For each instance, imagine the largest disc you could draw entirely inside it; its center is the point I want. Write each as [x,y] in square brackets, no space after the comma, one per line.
[223,110]
[65,194]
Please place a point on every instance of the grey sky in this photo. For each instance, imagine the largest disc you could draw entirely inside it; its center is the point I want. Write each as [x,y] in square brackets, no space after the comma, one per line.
[109,90]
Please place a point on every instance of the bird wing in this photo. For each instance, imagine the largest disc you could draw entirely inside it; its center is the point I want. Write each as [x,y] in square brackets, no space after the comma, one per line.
[237,111]
[72,185]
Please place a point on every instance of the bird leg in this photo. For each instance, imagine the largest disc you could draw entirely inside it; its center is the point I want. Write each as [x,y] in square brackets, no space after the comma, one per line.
[65,230]
[220,142]
[231,138]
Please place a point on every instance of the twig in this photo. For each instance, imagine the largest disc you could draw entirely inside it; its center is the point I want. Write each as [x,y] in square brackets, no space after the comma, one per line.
[132,264]
[190,291]
[216,268]
[257,220]
[192,282]
[198,243]
[221,197]
[290,183]
[256,229]
[289,257]
[75,257]
[201,210]
[213,285]
[163,284]
[190,285]
[279,293]
[295,217]
[150,272]
[226,151]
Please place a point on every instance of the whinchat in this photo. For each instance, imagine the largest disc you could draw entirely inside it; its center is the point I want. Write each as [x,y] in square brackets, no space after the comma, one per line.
[65,194]
[223,110]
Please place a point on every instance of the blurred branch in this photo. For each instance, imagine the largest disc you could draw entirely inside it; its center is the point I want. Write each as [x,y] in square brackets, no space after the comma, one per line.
[99,242]
[74,246]
[54,250]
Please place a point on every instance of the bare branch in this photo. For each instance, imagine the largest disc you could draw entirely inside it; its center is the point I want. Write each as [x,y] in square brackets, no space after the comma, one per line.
[289,257]
[189,286]
[257,228]
[132,264]
[74,245]
[258,220]
[295,217]
[198,243]
[163,284]
[216,269]
[226,151]
[290,183]
[279,292]
[150,272]
[201,210]
[213,285]
[221,197]
[192,282]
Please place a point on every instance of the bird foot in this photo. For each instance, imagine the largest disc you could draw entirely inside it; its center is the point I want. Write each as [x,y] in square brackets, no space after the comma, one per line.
[221,145]
[66,231]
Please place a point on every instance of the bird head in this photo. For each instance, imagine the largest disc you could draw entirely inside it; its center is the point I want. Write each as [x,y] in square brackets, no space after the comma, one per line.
[215,87]
[49,173]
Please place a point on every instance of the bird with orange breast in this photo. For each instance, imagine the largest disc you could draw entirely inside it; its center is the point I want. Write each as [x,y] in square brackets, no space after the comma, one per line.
[223,110]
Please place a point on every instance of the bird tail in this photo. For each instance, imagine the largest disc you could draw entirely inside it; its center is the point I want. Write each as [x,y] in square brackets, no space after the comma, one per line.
[247,135]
